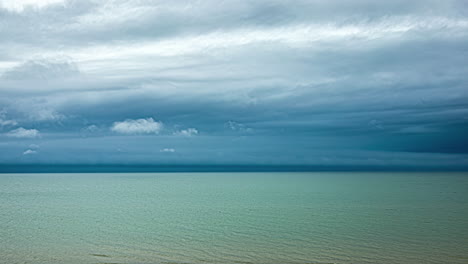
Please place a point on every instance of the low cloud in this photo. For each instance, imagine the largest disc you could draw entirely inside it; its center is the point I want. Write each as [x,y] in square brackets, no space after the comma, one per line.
[91,128]
[4,121]
[187,132]
[34,146]
[23,133]
[235,126]
[170,150]
[8,122]
[137,126]
[46,115]
[29,152]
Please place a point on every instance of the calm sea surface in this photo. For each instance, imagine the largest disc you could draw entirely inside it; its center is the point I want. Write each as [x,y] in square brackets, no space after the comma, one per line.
[234,218]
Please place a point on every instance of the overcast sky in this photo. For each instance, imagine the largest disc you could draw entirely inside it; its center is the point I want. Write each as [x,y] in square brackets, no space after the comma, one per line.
[363,82]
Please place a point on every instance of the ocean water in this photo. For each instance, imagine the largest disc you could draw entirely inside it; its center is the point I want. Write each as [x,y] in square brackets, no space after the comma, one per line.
[234,218]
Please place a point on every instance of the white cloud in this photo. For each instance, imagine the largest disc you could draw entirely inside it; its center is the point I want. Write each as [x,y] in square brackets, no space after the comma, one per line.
[52,68]
[237,126]
[91,129]
[4,121]
[34,146]
[137,126]
[170,150]
[187,132]
[46,115]
[29,152]
[24,133]
[299,35]
[8,122]
[21,5]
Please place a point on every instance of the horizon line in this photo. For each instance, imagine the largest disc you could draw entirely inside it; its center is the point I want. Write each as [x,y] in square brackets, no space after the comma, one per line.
[124,168]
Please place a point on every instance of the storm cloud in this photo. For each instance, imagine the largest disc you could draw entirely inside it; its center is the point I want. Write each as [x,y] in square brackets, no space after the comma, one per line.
[380,83]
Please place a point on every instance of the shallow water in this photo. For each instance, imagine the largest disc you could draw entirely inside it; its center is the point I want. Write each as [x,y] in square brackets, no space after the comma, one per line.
[234,218]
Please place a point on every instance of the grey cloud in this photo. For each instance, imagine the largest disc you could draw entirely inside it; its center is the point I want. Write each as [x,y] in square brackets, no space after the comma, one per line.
[8,122]
[45,115]
[385,76]
[4,121]
[45,69]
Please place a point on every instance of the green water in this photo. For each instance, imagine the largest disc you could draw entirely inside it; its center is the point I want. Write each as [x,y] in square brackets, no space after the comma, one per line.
[234,218]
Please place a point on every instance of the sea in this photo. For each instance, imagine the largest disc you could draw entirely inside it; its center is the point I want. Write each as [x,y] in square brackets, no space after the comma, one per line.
[238,218]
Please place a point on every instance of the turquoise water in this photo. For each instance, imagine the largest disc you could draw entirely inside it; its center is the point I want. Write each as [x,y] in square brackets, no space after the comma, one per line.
[234,218]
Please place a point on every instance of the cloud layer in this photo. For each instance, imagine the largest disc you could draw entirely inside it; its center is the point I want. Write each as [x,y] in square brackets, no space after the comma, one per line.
[257,82]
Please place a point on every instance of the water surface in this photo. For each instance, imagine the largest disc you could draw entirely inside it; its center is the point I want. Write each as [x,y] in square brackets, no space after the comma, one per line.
[234,218]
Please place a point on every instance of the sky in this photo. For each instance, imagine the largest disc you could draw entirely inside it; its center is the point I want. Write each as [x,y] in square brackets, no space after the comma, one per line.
[320,83]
